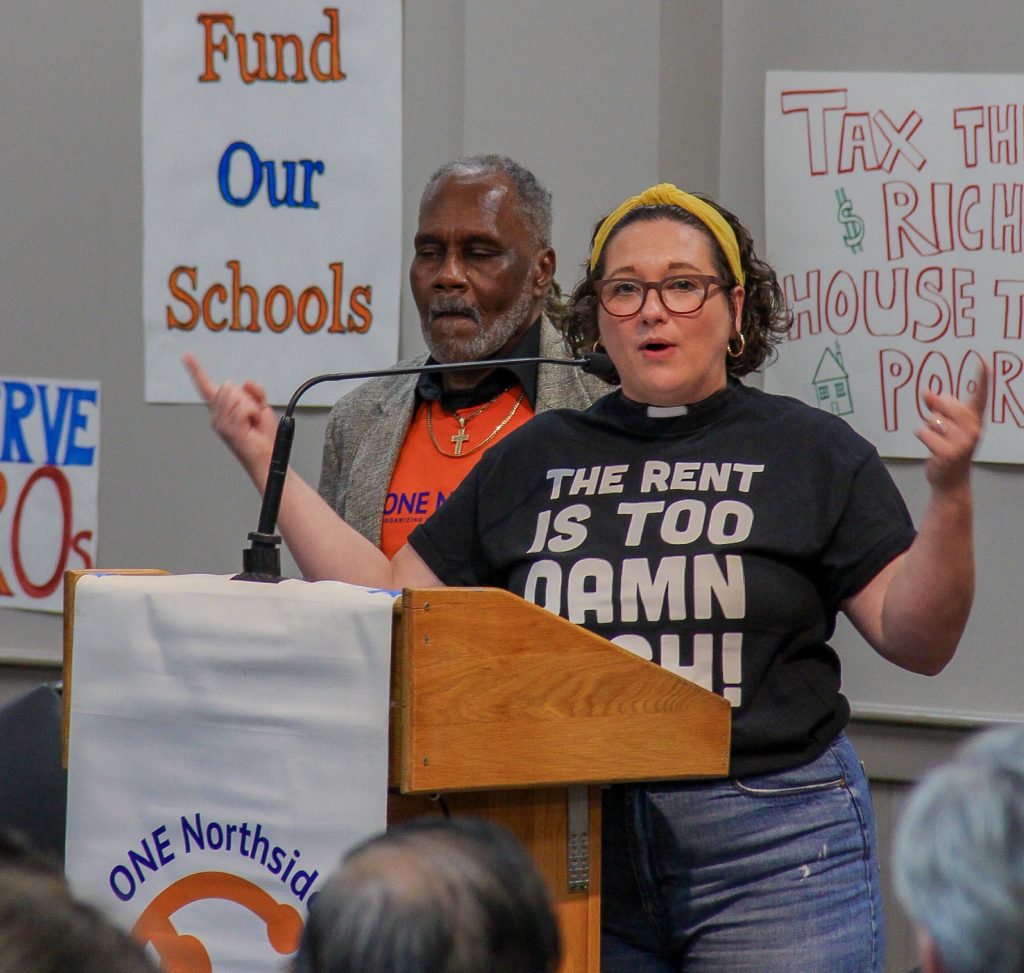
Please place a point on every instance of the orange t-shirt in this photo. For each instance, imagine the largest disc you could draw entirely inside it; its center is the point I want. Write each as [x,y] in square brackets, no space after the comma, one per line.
[423,478]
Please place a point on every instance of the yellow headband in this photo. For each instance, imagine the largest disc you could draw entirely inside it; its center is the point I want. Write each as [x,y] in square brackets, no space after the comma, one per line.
[665,194]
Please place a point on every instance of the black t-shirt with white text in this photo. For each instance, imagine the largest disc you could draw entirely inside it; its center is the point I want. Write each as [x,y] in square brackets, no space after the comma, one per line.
[718,543]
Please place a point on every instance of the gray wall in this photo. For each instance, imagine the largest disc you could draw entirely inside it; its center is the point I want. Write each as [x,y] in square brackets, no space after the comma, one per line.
[598,97]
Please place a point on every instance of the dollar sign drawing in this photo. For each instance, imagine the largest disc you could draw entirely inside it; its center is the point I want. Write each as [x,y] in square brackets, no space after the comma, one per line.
[853,225]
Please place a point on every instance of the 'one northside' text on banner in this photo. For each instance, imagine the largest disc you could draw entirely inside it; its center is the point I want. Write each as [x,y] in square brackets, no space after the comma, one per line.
[49,473]
[895,218]
[272,191]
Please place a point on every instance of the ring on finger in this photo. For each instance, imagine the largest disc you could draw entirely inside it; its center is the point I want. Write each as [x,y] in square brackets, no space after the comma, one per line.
[939,426]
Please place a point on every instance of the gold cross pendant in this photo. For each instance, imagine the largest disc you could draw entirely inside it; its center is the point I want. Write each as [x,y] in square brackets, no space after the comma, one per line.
[461,436]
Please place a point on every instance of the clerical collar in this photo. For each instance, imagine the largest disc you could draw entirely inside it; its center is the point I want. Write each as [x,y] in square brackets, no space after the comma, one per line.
[655,421]
[666,411]
[429,387]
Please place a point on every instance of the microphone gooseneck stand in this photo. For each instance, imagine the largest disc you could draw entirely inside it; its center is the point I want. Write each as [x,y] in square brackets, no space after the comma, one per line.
[261,561]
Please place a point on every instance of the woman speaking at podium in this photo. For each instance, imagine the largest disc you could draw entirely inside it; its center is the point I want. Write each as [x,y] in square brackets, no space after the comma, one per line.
[705,525]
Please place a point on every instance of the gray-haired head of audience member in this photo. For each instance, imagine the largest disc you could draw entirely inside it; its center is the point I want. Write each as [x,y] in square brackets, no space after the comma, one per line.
[45,929]
[959,858]
[433,896]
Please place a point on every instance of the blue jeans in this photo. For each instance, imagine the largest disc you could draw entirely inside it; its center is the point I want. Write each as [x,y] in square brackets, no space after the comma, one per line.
[768,874]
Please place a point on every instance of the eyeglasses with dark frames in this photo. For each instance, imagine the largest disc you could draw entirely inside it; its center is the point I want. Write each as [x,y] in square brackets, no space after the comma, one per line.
[680,293]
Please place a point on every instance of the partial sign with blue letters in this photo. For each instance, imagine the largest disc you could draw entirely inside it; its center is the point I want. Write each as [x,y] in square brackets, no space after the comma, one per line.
[49,475]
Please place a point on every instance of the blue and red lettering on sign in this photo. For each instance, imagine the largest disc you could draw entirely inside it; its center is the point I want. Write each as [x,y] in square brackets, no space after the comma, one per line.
[49,453]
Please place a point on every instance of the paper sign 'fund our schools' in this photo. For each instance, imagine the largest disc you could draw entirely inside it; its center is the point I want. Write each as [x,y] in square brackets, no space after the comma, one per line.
[272,191]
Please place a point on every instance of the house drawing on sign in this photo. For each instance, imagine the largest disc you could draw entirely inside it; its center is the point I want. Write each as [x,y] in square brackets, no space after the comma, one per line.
[832,384]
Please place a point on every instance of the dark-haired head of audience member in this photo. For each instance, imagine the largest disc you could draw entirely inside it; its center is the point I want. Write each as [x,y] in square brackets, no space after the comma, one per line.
[433,896]
[16,851]
[45,929]
[958,858]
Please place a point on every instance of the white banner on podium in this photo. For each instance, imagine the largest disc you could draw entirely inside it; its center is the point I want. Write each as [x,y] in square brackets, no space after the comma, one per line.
[228,743]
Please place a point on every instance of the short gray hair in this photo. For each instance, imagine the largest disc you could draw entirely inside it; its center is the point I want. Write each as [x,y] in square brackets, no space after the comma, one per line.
[958,856]
[433,896]
[534,198]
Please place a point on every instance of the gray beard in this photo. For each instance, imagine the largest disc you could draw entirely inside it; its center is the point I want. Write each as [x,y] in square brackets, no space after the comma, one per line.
[450,347]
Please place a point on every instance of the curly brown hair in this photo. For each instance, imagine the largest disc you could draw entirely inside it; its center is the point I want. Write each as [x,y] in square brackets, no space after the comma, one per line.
[765,319]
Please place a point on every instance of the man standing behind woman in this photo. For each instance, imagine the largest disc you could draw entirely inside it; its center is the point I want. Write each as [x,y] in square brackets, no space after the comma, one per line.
[733,526]
[482,279]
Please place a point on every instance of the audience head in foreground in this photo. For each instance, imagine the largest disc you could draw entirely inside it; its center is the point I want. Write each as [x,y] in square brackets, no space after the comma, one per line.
[959,858]
[433,896]
[45,929]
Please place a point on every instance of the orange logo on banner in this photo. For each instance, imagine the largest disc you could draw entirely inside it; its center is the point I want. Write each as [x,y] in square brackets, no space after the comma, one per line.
[186,954]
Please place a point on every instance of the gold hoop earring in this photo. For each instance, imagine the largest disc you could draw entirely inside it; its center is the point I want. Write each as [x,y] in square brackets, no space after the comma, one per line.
[738,353]
[597,348]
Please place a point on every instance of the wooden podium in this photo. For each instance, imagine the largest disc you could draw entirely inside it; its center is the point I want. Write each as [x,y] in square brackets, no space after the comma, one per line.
[501,710]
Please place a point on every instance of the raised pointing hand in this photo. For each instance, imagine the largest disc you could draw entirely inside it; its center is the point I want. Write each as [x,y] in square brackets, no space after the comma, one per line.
[239,414]
[953,431]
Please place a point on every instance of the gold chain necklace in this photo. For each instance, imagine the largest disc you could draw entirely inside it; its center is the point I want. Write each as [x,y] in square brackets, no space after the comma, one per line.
[461,436]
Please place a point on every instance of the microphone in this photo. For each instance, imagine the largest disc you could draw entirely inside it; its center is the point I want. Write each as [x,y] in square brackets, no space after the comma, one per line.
[261,561]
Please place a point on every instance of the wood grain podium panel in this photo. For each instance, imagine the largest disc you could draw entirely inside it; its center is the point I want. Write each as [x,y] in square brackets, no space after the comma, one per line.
[490,691]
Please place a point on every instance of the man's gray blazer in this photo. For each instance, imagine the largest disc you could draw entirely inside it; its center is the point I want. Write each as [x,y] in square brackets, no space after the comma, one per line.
[367,427]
